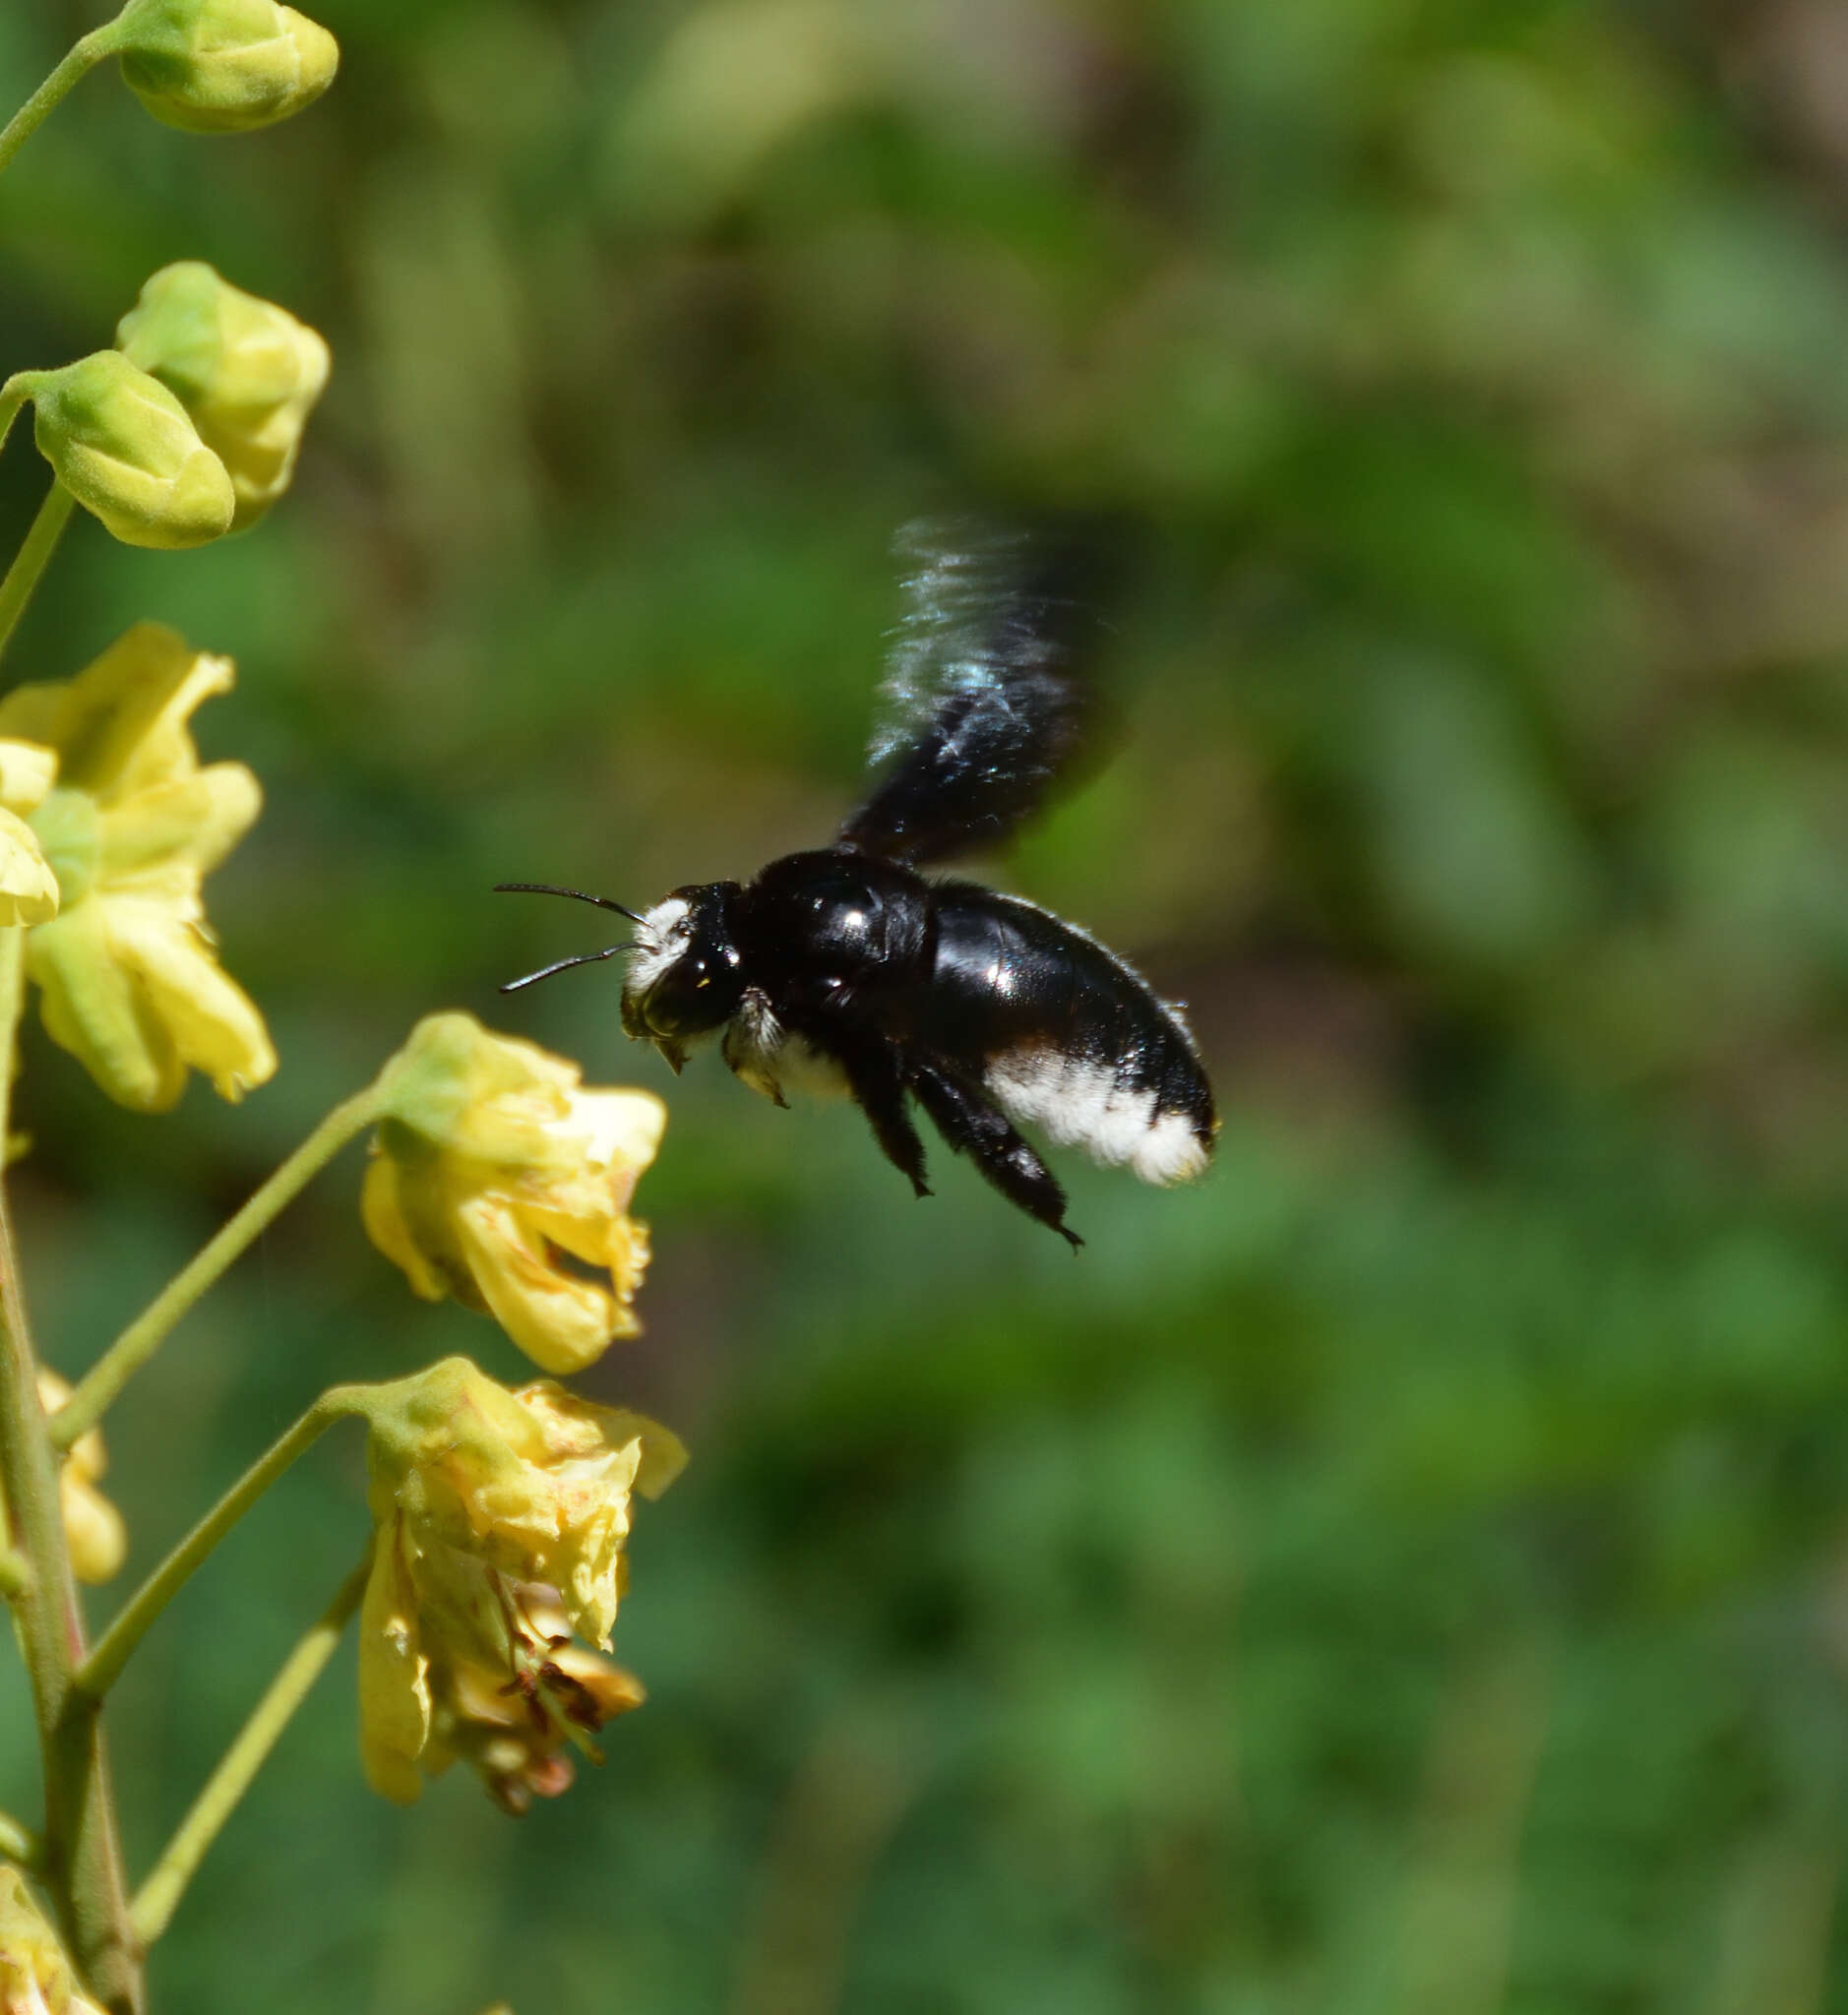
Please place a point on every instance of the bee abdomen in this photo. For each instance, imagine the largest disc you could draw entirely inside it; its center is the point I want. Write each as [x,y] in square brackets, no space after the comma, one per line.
[1068,1037]
[1085,1104]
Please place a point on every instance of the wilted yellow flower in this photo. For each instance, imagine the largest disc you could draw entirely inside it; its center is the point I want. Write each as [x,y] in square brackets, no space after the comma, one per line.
[246,371]
[93,1526]
[492,1155]
[478,1493]
[224,66]
[129,982]
[124,448]
[36,1975]
[512,1700]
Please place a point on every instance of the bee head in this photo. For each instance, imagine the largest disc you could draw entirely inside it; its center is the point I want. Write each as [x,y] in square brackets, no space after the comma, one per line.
[686,973]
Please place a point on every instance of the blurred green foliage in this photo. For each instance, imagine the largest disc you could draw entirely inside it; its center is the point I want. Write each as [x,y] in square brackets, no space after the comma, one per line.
[1408,1572]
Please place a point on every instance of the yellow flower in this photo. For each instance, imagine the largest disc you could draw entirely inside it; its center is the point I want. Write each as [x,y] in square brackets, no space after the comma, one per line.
[93,1526]
[500,1519]
[492,1156]
[129,981]
[246,371]
[36,1975]
[124,448]
[224,66]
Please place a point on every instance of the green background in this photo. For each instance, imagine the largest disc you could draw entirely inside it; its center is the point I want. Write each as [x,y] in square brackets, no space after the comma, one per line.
[1407,1572]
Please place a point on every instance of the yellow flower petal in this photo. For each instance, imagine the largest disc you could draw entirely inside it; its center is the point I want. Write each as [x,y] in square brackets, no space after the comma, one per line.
[382,1211]
[29,889]
[394,1677]
[27,772]
[561,1323]
[193,821]
[93,1007]
[93,1530]
[214,1024]
[121,724]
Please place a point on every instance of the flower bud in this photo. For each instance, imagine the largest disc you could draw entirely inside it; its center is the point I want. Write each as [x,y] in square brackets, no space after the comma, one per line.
[123,445]
[224,66]
[93,1527]
[246,371]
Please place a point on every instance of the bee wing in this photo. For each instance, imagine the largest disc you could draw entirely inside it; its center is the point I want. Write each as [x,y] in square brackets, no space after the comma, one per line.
[986,701]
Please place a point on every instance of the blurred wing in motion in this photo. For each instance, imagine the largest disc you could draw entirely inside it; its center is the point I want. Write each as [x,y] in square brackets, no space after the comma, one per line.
[987,701]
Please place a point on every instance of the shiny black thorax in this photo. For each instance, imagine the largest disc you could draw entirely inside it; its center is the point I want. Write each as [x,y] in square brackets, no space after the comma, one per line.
[822,929]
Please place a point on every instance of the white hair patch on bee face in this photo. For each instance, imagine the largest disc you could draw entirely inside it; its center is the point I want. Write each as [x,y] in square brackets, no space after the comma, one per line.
[1081,1104]
[661,938]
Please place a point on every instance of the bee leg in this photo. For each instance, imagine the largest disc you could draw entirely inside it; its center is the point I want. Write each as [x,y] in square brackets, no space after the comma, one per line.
[974,1128]
[876,1086]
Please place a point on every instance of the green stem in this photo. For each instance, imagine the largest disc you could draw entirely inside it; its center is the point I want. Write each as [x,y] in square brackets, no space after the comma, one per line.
[101,1670]
[19,1843]
[80,1861]
[76,65]
[149,1330]
[158,1896]
[42,542]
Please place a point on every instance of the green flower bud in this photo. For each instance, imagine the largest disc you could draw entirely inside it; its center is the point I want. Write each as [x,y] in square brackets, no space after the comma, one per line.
[123,445]
[246,371]
[224,66]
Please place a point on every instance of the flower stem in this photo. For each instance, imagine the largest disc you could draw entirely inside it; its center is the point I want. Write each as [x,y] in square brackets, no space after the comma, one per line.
[149,1330]
[101,1669]
[42,542]
[80,1859]
[158,1896]
[82,59]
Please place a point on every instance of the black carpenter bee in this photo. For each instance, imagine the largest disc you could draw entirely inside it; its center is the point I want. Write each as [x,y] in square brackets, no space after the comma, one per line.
[846,970]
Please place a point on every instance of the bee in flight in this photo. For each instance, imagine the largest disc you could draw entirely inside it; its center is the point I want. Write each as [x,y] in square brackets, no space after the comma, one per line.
[844,969]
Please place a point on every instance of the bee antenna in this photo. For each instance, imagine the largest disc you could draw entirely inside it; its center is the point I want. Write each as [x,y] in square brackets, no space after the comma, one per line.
[576,894]
[545,972]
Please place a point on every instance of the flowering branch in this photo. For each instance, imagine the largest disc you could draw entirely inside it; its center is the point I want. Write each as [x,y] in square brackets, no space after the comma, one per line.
[103,1667]
[150,1329]
[158,1896]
